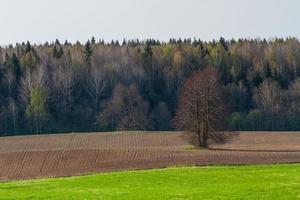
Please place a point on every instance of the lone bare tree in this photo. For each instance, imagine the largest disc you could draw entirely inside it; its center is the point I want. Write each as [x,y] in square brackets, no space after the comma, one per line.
[201,109]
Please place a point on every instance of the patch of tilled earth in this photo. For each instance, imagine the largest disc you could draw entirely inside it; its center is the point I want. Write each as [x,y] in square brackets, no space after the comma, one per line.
[134,151]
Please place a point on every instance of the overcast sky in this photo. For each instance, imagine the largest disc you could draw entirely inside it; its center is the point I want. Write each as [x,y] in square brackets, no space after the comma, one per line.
[45,20]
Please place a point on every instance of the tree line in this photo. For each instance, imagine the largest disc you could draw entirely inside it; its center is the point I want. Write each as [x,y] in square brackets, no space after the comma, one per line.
[136,85]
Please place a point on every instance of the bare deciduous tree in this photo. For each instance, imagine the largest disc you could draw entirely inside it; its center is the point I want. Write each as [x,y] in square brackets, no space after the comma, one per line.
[13,110]
[62,86]
[97,83]
[10,77]
[294,97]
[270,98]
[34,94]
[201,109]
[127,110]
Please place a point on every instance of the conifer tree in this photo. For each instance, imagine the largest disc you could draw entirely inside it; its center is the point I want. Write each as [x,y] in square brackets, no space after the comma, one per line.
[88,51]
[93,41]
[28,47]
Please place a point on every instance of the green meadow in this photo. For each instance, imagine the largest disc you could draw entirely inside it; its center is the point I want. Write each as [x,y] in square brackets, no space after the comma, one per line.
[216,182]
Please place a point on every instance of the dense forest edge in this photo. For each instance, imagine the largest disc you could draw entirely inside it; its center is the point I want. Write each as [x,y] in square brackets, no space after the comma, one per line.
[135,85]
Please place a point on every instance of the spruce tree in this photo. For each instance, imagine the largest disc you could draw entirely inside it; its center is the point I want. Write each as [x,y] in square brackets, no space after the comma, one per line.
[57,51]
[93,41]
[224,44]
[88,51]
[147,55]
[124,42]
[28,47]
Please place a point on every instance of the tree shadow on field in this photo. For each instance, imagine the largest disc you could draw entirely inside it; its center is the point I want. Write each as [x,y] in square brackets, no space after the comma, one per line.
[192,139]
[255,150]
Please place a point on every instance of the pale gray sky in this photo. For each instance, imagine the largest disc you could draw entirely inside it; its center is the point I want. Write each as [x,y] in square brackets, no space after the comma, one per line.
[46,20]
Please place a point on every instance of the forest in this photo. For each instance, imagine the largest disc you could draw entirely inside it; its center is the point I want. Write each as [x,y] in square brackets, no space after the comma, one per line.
[135,85]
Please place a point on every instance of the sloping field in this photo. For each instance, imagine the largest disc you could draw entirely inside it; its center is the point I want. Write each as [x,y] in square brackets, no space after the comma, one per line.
[28,157]
[263,182]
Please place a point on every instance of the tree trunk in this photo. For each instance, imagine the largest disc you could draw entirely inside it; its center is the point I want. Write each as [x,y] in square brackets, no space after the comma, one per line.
[199,132]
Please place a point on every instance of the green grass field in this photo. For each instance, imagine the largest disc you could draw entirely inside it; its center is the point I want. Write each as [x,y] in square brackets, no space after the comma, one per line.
[226,182]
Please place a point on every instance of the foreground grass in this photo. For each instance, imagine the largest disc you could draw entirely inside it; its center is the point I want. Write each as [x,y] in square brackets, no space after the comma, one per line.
[241,182]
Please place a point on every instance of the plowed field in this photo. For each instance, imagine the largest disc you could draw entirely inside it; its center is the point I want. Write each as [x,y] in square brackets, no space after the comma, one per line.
[27,157]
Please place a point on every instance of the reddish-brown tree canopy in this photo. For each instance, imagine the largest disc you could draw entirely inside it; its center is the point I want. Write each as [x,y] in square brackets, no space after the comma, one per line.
[126,110]
[201,109]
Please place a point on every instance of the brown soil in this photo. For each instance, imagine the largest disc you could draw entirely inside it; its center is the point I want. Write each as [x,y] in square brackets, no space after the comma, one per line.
[29,157]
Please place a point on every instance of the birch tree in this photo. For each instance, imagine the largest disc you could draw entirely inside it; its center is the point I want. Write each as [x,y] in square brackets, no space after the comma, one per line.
[34,94]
